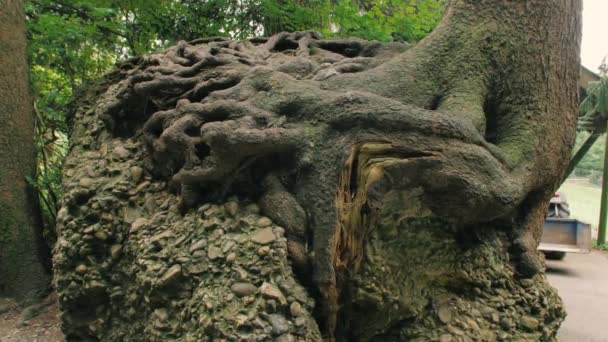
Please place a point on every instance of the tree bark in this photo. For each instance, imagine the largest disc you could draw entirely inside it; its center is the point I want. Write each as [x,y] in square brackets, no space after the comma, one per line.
[409,184]
[23,254]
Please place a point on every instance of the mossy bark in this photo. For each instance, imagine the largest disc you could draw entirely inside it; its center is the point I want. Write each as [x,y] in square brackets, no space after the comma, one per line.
[23,254]
[410,183]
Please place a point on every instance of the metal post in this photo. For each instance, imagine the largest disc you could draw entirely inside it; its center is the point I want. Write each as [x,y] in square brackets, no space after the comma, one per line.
[601,235]
[582,151]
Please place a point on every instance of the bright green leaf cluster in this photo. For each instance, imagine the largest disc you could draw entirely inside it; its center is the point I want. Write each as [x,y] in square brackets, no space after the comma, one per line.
[385,20]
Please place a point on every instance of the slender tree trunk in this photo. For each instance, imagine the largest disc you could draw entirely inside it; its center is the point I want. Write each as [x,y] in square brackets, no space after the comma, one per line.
[22,251]
[601,234]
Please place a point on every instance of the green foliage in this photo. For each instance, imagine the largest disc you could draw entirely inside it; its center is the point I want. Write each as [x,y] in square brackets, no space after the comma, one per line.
[593,114]
[385,20]
[594,107]
[601,247]
[277,16]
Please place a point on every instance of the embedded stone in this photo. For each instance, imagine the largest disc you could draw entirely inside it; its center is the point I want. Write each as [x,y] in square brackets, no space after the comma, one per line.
[279,324]
[130,214]
[231,257]
[506,323]
[530,323]
[445,338]
[81,269]
[86,182]
[183,260]
[90,229]
[101,235]
[214,252]
[445,315]
[142,186]
[200,244]
[300,321]
[216,234]
[526,283]
[228,246]
[232,208]
[295,309]
[138,224]
[268,290]
[264,222]
[285,338]
[95,285]
[171,275]
[263,236]
[62,214]
[158,238]
[243,289]
[201,210]
[161,314]
[120,152]
[136,173]
[264,250]
[115,251]
[455,331]
[197,269]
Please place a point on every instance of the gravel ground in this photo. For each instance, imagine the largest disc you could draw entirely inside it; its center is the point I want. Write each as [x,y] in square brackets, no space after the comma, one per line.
[582,281]
[36,323]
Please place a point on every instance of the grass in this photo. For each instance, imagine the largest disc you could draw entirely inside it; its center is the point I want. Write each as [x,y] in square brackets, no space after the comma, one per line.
[584,199]
[603,247]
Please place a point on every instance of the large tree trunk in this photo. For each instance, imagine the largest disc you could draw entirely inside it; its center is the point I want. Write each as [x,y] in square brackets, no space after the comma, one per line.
[409,184]
[22,250]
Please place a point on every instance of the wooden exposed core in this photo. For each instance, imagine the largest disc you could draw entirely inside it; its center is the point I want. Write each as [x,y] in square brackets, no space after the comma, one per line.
[359,198]
[363,183]
[356,218]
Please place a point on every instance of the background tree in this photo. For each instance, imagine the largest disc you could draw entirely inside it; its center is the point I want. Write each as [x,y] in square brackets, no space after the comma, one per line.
[24,261]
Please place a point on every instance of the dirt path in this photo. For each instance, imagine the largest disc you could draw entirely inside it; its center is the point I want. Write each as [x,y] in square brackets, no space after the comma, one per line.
[36,323]
[582,281]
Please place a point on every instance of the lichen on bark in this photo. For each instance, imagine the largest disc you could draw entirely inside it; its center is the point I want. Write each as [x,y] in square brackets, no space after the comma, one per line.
[404,184]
